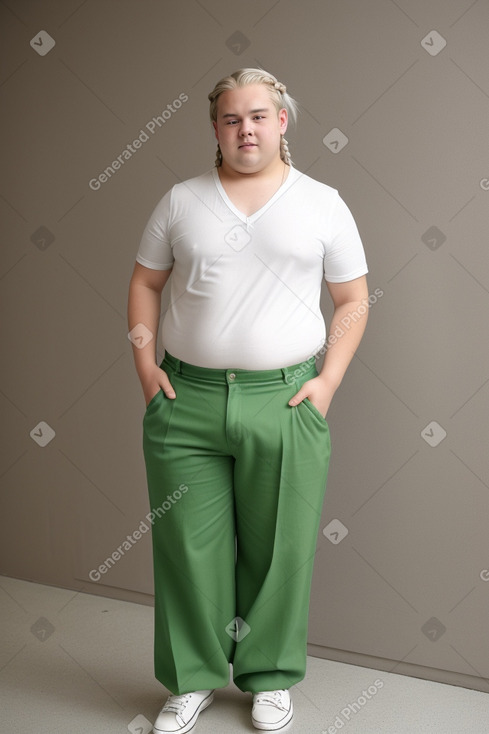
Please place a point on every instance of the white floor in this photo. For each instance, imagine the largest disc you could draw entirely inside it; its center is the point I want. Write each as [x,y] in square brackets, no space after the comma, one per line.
[82,664]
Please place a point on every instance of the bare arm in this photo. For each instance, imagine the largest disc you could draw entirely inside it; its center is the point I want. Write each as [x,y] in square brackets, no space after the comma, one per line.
[348,323]
[143,310]
[344,335]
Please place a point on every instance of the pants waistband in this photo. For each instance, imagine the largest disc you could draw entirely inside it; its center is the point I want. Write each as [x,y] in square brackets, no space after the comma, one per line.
[287,375]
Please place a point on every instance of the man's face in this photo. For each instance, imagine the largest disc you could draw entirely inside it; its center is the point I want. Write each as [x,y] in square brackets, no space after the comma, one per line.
[248,128]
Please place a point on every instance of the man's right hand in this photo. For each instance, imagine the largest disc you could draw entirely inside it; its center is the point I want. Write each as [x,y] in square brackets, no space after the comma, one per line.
[155,380]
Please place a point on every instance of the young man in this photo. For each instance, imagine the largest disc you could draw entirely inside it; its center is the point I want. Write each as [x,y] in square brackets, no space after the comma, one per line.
[235,439]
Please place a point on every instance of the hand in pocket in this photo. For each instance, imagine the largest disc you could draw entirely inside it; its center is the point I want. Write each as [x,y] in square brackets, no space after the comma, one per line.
[155,381]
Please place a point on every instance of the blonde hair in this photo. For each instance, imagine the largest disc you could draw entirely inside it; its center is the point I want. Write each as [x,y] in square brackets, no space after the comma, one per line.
[278,94]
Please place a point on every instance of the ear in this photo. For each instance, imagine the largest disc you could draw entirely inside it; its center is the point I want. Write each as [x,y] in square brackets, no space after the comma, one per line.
[216,133]
[283,120]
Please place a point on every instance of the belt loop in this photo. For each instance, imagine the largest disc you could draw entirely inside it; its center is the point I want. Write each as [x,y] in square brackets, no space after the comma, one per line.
[176,364]
[287,373]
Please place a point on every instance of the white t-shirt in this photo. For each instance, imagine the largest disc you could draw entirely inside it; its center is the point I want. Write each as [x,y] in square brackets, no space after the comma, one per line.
[245,290]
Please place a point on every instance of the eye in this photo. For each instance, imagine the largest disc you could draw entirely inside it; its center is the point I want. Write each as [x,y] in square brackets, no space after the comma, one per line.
[259,117]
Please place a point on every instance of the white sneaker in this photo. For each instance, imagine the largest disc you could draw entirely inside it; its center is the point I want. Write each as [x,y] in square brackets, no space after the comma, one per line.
[272,710]
[180,713]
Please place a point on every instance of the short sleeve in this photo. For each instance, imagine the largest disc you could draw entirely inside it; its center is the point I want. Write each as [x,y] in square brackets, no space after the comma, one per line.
[344,258]
[155,247]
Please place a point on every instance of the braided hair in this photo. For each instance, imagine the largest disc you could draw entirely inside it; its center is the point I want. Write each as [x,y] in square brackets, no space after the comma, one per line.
[278,93]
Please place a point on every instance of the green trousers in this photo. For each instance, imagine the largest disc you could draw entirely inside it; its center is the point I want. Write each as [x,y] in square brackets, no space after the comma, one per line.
[236,480]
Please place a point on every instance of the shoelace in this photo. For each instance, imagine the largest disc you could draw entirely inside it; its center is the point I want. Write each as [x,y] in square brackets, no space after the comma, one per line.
[275,698]
[175,704]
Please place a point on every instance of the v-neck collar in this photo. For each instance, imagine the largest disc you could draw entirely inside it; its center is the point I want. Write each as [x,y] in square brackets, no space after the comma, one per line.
[253,217]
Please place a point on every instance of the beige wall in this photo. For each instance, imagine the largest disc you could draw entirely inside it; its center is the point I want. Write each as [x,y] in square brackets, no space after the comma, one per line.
[406,588]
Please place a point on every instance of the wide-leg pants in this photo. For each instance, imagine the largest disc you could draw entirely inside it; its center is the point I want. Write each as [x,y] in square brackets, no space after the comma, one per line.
[236,480]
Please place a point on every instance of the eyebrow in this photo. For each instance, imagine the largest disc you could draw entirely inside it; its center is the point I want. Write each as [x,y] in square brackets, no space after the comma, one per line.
[252,112]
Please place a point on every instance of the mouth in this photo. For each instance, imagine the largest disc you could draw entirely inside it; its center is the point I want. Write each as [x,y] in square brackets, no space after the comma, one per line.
[248,145]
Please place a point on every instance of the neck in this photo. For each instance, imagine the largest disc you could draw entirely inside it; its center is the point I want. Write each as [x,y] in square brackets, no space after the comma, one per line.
[275,168]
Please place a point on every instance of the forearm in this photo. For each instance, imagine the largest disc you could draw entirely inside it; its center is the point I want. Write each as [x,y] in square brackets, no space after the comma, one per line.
[345,334]
[144,307]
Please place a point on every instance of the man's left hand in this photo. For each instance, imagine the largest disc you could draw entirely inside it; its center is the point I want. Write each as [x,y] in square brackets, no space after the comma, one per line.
[318,391]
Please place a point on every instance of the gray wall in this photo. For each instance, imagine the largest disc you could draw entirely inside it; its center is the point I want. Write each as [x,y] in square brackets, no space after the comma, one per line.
[406,588]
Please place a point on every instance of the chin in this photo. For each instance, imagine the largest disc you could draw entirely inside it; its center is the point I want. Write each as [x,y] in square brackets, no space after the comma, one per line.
[246,166]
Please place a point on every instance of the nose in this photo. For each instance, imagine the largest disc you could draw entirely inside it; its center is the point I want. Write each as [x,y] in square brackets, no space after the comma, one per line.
[246,128]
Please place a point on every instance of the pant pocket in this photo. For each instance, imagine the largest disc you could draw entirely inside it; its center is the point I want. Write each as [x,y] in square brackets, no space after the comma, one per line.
[159,398]
[156,397]
[314,411]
